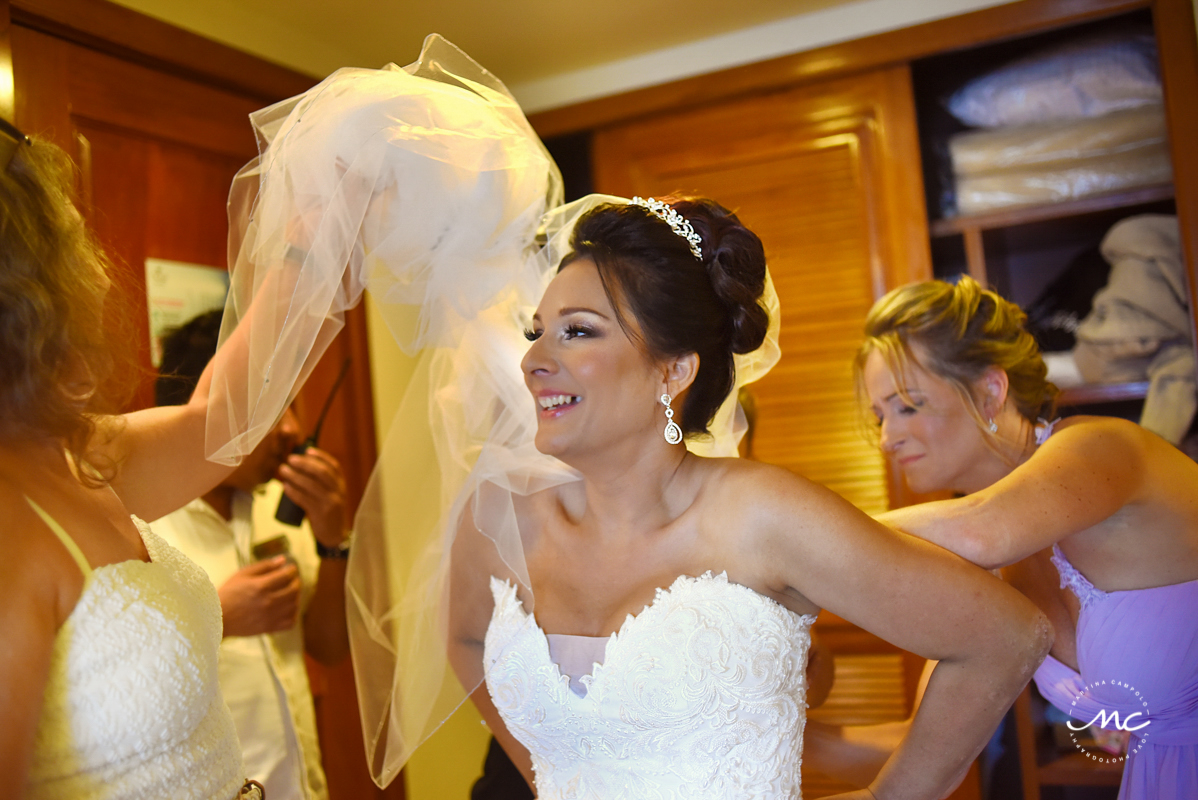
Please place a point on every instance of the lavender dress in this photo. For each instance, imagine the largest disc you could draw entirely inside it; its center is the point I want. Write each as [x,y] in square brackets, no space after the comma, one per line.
[1141,641]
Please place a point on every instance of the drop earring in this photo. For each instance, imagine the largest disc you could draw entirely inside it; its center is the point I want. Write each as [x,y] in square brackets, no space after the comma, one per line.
[673,433]
[993,426]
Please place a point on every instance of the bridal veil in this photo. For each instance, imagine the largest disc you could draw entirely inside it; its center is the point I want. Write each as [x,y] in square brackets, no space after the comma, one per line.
[427,187]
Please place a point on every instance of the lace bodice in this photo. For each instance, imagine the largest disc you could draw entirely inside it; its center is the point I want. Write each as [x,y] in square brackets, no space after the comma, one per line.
[701,695]
[132,707]
[1082,589]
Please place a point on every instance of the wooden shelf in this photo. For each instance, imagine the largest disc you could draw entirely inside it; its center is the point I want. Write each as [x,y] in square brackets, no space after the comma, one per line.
[1089,393]
[1021,215]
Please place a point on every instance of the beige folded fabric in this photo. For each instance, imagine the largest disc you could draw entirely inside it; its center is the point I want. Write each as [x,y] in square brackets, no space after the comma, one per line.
[1065,142]
[1052,183]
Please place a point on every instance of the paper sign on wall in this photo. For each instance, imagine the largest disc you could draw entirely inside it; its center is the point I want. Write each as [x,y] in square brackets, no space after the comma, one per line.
[177,292]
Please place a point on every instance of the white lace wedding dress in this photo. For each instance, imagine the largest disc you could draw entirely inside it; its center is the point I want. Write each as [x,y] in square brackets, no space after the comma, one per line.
[701,695]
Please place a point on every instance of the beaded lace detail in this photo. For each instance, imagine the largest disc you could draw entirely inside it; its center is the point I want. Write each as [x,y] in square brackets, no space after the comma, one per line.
[701,695]
[1085,591]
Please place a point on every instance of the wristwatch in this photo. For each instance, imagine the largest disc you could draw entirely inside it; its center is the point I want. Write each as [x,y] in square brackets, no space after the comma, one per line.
[338,553]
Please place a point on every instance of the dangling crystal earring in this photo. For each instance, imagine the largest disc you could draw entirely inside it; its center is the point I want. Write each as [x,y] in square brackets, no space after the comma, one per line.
[993,426]
[673,433]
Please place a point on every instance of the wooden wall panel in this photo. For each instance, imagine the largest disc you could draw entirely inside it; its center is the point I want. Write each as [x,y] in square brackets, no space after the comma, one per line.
[130,96]
[135,38]
[41,78]
[811,171]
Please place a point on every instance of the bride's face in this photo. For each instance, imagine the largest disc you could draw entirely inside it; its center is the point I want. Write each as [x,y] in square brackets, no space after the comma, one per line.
[593,386]
[934,440]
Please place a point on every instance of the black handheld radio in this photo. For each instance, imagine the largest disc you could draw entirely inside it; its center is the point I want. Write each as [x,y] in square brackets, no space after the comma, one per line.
[288,512]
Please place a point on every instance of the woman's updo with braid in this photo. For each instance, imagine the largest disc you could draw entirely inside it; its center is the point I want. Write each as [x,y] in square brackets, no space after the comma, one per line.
[682,304]
[962,330]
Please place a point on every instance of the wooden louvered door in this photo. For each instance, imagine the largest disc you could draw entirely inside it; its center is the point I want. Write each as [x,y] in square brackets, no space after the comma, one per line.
[828,176]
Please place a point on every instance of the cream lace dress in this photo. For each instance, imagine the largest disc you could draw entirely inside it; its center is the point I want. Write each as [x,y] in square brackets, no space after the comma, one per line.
[132,707]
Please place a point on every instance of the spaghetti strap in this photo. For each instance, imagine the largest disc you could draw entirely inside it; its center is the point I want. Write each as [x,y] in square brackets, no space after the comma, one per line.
[65,537]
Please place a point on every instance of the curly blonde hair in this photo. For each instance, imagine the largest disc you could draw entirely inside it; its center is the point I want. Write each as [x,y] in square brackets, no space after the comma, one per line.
[962,330]
[55,358]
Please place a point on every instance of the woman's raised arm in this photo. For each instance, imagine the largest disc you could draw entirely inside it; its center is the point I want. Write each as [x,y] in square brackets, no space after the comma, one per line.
[1079,477]
[160,453]
[241,395]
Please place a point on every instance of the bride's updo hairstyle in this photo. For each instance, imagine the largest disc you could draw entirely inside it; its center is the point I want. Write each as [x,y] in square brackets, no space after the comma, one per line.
[682,304]
[962,330]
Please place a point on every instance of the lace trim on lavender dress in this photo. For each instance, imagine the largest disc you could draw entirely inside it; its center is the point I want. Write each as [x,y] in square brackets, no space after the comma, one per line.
[1085,591]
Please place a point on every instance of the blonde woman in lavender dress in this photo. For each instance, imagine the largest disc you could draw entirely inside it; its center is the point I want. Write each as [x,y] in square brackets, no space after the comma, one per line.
[1095,519]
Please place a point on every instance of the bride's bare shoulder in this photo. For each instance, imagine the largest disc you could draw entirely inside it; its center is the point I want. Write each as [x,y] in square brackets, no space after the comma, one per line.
[739,480]
[565,500]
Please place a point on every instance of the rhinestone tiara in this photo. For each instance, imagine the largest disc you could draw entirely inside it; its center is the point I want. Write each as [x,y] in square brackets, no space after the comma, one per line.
[678,223]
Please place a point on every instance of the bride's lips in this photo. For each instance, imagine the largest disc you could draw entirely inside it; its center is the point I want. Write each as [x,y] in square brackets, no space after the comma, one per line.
[909,460]
[553,404]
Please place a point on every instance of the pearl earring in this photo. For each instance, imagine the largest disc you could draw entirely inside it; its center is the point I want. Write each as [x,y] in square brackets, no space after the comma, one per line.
[673,433]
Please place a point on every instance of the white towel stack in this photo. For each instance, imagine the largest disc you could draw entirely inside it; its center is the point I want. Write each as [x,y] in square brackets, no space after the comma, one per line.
[1077,120]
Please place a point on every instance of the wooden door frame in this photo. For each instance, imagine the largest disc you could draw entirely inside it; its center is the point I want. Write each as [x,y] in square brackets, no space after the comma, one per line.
[134,37]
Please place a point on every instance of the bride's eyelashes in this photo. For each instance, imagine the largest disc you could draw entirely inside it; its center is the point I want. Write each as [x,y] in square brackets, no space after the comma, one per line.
[577,329]
[571,331]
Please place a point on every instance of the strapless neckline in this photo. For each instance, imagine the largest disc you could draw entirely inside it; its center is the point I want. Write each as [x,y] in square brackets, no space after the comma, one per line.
[701,696]
[660,594]
[1086,592]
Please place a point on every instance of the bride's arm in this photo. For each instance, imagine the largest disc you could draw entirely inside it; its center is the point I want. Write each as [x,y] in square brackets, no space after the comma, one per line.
[1083,474]
[471,604]
[807,541]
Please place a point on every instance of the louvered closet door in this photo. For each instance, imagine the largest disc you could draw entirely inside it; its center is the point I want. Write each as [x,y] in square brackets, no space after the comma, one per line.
[828,175]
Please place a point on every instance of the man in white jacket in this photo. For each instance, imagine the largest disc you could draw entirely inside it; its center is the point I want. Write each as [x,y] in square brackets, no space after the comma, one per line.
[281,586]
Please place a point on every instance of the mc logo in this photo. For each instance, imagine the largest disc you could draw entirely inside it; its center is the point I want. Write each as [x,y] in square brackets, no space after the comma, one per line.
[1103,721]
[1129,723]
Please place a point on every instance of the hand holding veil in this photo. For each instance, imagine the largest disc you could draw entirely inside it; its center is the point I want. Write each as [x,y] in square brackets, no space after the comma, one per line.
[426,186]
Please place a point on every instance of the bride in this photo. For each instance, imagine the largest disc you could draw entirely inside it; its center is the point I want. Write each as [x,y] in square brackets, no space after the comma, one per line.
[631,617]
[622,687]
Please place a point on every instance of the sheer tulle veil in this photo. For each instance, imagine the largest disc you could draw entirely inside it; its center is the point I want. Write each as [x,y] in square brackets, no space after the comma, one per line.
[427,187]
